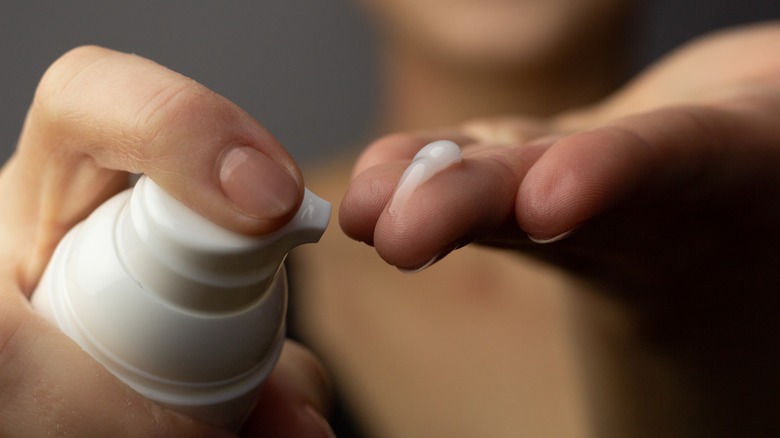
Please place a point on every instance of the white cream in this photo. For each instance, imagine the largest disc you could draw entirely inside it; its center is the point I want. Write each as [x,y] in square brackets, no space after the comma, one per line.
[429,161]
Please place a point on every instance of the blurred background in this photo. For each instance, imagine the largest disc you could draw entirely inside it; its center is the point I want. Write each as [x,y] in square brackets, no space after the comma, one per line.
[304,68]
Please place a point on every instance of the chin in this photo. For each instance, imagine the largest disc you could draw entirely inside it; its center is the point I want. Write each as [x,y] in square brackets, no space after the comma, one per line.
[520,43]
[498,32]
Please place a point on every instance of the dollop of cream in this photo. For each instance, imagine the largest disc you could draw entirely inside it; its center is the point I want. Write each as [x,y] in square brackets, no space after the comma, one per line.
[430,160]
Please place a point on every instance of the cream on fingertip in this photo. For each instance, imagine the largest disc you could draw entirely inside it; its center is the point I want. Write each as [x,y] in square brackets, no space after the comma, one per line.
[430,160]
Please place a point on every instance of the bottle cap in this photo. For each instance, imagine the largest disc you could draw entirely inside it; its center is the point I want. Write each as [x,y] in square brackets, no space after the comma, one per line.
[197,264]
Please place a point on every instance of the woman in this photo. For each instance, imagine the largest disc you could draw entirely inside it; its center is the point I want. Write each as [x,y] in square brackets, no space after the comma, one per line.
[611,337]
[635,330]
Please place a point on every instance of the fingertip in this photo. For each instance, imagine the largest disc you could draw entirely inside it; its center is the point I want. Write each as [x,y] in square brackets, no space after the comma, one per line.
[465,202]
[246,183]
[578,178]
[294,400]
[257,186]
[281,418]
[207,198]
[365,200]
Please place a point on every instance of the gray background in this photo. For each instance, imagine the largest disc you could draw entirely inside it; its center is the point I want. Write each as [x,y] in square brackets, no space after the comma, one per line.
[302,67]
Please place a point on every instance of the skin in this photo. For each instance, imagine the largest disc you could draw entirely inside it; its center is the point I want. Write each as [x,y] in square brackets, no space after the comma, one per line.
[603,170]
[97,115]
[491,34]
[670,187]
[539,340]
[448,61]
[484,341]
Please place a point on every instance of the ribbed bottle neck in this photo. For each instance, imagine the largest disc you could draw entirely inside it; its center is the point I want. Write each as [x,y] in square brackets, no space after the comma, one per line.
[175,253]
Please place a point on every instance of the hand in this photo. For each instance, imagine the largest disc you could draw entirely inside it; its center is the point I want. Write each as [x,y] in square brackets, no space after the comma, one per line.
[666,198]
[98,114]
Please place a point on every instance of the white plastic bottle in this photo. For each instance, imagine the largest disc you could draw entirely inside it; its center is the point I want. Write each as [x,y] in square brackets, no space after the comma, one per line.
[185,312]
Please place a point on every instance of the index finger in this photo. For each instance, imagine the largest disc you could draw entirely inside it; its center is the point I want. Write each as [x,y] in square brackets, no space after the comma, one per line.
[123,112]
[98,113]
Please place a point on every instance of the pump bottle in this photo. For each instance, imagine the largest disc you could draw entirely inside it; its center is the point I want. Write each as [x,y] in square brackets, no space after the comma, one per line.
[185,312]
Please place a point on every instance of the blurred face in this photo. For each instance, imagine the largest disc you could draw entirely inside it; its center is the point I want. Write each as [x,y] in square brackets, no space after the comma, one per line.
[495,32]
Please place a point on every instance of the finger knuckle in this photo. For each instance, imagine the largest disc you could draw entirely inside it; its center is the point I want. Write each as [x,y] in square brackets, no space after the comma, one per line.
[505,130]
[91,92]
[10,330]
[395,141]
[177,102]
[51,101]
[388,148]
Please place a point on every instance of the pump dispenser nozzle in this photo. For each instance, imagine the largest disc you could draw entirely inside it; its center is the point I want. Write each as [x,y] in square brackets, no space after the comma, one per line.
[204,266]
[187,313]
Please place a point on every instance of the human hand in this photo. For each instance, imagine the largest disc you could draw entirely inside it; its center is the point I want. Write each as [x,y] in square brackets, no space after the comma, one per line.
[652,194]
[97,115]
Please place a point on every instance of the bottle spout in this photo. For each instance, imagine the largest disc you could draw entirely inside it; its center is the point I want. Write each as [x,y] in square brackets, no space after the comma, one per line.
[191,261]
[307,226]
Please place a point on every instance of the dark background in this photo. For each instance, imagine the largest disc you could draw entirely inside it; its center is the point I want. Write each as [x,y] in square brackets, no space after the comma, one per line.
[304,68]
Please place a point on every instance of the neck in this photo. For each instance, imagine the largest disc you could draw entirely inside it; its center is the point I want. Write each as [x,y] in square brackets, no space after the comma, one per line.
[420,92]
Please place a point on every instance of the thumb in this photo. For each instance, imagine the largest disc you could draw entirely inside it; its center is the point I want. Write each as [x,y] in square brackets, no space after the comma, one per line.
[97,113]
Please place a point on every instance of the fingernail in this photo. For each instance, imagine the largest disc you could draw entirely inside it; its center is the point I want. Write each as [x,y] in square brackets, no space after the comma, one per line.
[425,266]
[551,239]
[258,186]
[433,260]
[320,422]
